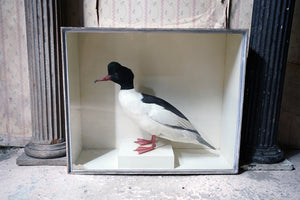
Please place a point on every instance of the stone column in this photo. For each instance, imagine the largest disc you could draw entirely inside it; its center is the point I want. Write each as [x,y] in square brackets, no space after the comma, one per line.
[43,23]
[268,48]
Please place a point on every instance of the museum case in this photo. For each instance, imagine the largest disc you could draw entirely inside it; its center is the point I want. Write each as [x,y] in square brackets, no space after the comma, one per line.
[201,72]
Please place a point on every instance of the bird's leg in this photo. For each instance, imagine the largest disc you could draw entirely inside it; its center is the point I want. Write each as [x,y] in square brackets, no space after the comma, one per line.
[143,141]
[141,150]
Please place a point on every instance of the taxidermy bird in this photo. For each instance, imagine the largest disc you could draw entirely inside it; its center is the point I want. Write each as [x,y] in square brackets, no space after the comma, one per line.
[153,115]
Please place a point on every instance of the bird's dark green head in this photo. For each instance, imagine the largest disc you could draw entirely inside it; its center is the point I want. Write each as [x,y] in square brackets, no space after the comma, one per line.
[120,75]
[113,67]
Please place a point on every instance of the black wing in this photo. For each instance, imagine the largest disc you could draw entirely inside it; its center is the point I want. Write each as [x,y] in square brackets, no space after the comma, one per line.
[152,99]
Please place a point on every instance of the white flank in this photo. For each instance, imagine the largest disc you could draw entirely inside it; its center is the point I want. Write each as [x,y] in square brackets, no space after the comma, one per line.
[156,120]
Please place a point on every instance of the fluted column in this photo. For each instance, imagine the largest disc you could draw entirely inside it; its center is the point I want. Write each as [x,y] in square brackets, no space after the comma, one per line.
[268,48]
[43,40]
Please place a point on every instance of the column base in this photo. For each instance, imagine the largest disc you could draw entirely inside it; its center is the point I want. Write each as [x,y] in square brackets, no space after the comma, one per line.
[24,160]
[268,155]
[285,165]
[45,150]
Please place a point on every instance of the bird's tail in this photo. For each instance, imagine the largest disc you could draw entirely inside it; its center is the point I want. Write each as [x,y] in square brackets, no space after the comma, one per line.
[202,141]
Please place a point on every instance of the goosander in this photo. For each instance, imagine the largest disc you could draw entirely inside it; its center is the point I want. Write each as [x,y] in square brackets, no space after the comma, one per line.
[152,114]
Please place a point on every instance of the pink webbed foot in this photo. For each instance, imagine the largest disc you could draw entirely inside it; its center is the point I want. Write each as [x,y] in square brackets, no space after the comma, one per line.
[141,150]
[143,141]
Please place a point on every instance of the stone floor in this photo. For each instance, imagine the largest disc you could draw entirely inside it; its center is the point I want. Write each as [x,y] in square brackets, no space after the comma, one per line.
[53,182]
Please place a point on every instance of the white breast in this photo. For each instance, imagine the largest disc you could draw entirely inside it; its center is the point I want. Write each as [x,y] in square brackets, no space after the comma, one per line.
[131,103]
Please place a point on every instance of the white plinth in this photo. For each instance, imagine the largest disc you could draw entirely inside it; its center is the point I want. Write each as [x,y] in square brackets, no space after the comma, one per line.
[162,157]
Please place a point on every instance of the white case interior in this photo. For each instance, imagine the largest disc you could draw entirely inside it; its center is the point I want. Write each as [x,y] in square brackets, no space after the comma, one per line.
[200,73]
